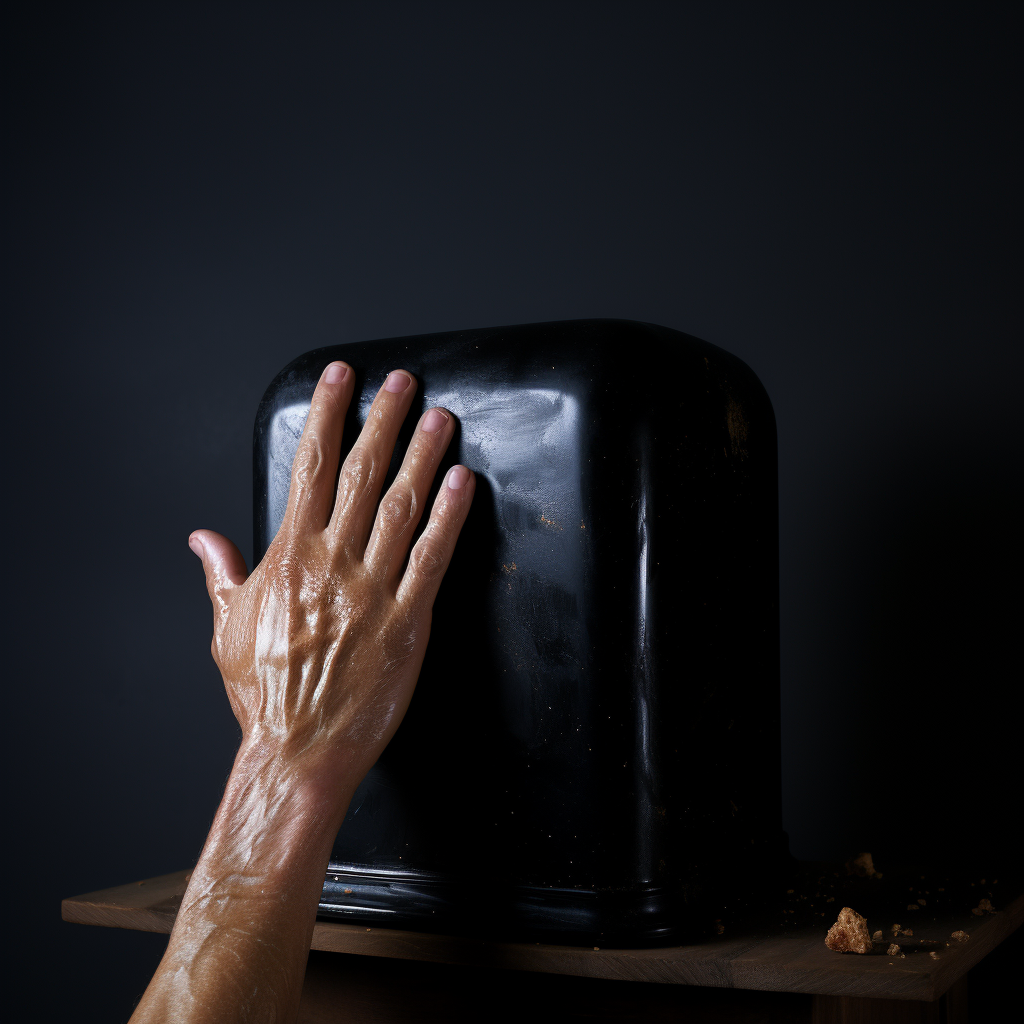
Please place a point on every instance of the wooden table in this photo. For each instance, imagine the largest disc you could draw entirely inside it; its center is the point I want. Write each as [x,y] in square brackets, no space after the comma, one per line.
[725,979]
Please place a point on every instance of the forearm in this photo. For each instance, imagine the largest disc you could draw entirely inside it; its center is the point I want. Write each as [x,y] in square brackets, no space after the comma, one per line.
[320,648]
[240,942]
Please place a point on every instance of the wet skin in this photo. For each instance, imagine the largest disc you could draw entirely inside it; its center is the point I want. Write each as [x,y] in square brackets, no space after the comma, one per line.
[320,648]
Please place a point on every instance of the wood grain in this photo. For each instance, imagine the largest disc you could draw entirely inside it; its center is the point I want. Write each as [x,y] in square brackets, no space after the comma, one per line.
[795,961]
[950,1009]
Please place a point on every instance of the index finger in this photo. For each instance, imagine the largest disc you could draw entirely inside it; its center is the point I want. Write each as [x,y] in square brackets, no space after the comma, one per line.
[315,465]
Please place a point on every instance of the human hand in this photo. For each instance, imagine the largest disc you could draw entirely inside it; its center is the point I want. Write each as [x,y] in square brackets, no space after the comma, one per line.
[320,649]
[321,646]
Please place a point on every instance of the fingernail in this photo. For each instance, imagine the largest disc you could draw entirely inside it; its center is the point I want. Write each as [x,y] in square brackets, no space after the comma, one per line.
[397,381]
[457,477]
[335,373]
[434,420]
[196,545]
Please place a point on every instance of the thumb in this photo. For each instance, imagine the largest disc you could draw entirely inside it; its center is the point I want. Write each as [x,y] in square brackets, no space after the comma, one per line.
[222,561]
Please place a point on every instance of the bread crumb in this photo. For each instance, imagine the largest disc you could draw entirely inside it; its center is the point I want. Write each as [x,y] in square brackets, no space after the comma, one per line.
[877,936]
[907,931]
[895,930]
[893,949]
[849,934]
[923,902]
[862,866]
[934,955]
[959,936]
[913,906]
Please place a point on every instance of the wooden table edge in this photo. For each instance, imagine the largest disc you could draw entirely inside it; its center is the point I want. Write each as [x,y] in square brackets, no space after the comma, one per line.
[151,905]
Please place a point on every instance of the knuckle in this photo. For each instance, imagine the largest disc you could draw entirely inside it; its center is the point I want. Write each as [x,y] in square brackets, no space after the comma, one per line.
[427,560]
[397,510]
[357,474]
[308,461]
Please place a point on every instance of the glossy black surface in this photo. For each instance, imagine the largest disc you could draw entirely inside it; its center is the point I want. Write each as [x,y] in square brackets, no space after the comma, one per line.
[593,747]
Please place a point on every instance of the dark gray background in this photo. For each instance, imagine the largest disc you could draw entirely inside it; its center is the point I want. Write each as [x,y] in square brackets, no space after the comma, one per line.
[202,193]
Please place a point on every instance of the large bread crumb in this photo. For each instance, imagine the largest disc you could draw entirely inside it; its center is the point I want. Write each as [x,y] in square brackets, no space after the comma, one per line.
[863,866]
[849,934]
